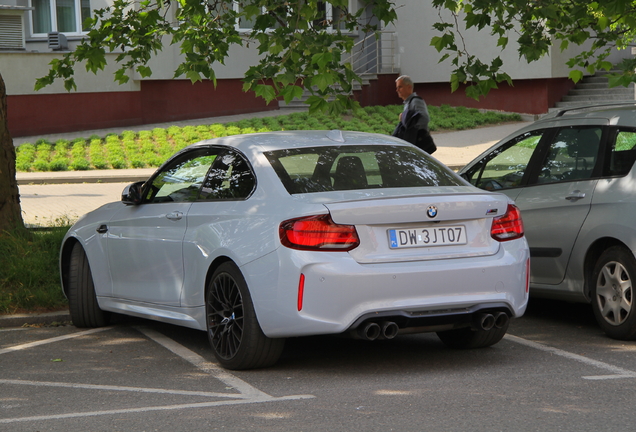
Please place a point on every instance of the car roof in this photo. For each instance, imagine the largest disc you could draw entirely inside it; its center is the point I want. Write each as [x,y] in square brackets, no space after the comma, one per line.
[268,141]
[620,114]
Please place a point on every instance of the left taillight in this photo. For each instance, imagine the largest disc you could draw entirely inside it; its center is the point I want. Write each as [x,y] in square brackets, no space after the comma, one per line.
[509,226]
[318,233]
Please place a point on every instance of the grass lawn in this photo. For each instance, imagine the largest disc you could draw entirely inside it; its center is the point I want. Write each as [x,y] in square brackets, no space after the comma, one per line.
[150,148]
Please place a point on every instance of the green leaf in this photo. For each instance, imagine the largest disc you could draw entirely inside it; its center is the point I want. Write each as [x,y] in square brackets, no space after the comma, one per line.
[267,92]
[144,71]
[454,81]
[322,81]
[576,75]
[193,76]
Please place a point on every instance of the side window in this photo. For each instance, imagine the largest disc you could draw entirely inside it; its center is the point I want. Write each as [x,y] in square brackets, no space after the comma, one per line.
[623,154]
[181,180]
[229,178]
[572,155]
[505,167]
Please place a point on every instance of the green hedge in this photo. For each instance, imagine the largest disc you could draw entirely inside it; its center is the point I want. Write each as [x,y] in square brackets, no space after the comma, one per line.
[151,148]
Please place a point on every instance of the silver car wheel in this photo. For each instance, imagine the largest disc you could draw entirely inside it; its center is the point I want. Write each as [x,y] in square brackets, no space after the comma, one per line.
[614,293]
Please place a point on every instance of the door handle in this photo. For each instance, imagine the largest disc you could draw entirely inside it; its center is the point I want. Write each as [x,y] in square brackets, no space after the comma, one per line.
[575,196]
[175,216]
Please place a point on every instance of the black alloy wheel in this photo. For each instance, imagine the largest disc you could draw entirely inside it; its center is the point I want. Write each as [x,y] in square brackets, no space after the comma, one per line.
[235,336]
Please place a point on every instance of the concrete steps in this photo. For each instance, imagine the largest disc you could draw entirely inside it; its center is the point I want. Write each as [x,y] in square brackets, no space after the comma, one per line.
[593,90]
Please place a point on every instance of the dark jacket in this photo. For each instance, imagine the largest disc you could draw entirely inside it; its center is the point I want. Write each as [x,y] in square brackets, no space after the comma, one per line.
[408,130]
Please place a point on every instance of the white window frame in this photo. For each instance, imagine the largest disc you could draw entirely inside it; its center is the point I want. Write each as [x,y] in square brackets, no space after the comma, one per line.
[53,14]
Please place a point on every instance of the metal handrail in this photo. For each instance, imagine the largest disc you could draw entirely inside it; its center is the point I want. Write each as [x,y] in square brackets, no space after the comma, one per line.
[374,54]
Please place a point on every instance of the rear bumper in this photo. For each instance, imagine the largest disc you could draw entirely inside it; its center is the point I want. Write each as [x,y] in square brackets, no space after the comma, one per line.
[339,294]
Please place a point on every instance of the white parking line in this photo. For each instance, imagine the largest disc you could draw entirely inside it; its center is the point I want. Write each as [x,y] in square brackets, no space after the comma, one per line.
[247,393]
[13,329]
[119,388]
[51,340]
[148,409]
[201,363]
[618,372]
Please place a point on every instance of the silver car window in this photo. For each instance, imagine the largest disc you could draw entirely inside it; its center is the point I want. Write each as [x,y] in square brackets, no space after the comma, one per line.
[181,179]
[230,178]
[506,166]
[572,156]
[339,168]
[623,153]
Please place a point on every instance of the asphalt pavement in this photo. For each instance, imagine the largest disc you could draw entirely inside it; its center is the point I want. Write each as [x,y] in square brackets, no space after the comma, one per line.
[62,197]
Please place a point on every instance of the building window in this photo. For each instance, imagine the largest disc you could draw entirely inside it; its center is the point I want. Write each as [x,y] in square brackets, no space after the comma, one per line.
[330,17]
[64,16]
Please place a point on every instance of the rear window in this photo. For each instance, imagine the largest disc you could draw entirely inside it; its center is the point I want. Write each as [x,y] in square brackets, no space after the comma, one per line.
[338,168]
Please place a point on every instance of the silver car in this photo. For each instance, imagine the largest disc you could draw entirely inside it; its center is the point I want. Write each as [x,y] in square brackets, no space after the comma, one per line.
[257,238]
[572,176]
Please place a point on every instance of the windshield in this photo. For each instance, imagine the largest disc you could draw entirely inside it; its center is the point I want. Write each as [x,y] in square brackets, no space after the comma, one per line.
[337,168]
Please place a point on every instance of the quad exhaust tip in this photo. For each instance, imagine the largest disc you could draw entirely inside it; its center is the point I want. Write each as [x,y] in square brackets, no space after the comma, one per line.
[385,330]
[486,321]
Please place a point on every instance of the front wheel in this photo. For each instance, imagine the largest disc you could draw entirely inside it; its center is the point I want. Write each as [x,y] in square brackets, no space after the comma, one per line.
[82,300]
[613,293]
[233,330]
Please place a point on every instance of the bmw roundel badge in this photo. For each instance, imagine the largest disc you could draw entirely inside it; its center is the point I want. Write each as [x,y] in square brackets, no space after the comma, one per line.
[431,211]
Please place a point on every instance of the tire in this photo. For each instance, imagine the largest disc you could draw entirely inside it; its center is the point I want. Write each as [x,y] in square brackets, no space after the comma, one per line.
[613,293]
[467,338]
[233,330]
[83,306]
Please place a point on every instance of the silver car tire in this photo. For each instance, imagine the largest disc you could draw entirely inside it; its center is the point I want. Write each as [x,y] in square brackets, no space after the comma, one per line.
[613,293]
[82,300]
[469,338]
[235,336]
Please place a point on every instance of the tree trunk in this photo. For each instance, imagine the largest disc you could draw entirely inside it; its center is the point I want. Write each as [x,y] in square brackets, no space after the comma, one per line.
[10,212]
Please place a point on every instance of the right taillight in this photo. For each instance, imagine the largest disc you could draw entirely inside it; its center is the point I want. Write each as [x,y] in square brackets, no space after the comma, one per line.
[318,233]
[509,226]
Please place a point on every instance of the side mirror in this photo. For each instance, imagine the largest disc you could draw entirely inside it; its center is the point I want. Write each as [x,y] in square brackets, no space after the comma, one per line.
[132,193]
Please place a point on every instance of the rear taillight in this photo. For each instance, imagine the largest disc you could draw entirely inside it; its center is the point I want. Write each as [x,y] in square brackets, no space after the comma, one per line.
[318,233]
[508,226]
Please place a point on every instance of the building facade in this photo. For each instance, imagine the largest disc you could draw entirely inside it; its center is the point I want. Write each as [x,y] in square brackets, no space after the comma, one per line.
[34,32]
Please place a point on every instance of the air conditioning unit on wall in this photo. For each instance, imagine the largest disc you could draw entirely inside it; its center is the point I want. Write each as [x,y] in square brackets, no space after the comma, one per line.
[57,41]
[11,30]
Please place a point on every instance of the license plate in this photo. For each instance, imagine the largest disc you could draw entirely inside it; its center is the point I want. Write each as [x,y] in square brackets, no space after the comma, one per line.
[424,237]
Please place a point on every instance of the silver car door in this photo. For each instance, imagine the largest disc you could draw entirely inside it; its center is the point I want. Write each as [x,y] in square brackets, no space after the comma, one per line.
[145,252]
[558,201]
[145,241]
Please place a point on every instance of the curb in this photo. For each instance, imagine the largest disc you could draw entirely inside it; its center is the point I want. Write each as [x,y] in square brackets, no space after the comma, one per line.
[20,320]
[94,176]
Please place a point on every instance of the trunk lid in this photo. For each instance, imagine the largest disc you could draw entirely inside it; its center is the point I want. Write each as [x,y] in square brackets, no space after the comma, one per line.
[422,227]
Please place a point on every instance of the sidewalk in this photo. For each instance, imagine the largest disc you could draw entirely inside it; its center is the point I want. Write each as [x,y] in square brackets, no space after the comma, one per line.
[62,196]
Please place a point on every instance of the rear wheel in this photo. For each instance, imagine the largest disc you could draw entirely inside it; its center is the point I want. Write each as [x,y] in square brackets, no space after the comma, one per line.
[83,306]
[233,330]
[613,293]
[468,338]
